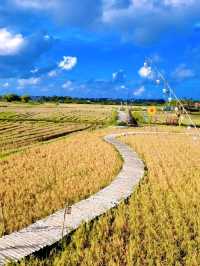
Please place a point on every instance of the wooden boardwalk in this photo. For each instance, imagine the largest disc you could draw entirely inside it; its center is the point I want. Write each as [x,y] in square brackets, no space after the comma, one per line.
[48,231]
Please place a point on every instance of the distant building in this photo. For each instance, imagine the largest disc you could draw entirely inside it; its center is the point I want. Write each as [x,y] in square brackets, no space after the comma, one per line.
[197,105]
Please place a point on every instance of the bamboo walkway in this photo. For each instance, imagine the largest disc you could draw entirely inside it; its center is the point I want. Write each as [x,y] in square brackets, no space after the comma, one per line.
[48,231]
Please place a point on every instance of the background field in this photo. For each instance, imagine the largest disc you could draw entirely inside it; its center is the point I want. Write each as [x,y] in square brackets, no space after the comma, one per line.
[161,116]
[76,113]
[15,135]
[22,125]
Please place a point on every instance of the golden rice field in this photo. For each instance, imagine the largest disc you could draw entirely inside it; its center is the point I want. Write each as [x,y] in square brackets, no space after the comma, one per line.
[41,179]
[160,117]
[76,113]
[158,225]
[22,125]
[15,135]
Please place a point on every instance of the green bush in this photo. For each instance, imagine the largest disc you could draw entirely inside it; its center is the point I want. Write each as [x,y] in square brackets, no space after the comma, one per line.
[11,97]
[139,117]
[121,123]
[25,98]
[113,119]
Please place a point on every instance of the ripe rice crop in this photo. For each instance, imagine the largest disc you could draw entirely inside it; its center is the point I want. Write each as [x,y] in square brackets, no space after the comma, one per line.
[40,180]
[159,224]
[76,113]
[161,117]
[15,135]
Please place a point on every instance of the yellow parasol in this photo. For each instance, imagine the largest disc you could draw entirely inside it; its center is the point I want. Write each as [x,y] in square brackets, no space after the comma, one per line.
[152,110]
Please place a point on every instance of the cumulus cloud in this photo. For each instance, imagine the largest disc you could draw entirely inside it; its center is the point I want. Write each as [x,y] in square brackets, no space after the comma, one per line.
[123,87]
[183,72]
[22,64]
[68,12]
[28,82]
[52,73]
[68,62]
[119,76]
[144,21]
[35,70]
[47,37]
[116,3]
[68,85]
[179,2]
[145,71]
[139,91]
[35,4]
[10,44]
[5,85]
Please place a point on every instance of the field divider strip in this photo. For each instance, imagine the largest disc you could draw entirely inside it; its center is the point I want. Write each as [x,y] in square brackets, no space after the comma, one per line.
[49,230]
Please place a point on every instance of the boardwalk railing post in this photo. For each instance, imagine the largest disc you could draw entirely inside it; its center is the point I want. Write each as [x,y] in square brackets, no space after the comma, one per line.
[2,213]
[66,211]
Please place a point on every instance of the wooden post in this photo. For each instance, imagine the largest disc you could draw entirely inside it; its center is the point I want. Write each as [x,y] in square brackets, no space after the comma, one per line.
[67,211]
[3,217]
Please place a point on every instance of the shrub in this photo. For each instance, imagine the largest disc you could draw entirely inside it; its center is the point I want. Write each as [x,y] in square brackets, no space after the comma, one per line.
[139,117]
[11,97]
[25,98]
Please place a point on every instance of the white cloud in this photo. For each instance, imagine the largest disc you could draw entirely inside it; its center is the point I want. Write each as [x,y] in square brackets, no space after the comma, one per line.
[68,85]
[179,2]
[139,91]
[52,73]
[183,72]
[35,4]
[47,37]
[70,12]
[35,70]
[28,82]
[5,85]
[68,62]
[144,21]
[10,44]
[119,76]
[145,72]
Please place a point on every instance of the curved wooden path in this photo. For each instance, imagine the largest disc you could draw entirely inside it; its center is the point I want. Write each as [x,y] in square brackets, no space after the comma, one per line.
[48,231]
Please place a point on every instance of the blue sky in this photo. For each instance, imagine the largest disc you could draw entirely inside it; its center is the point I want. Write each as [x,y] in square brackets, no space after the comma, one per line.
[95,48]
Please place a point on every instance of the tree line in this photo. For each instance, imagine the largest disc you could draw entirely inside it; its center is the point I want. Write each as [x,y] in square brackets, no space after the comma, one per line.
[12,97]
